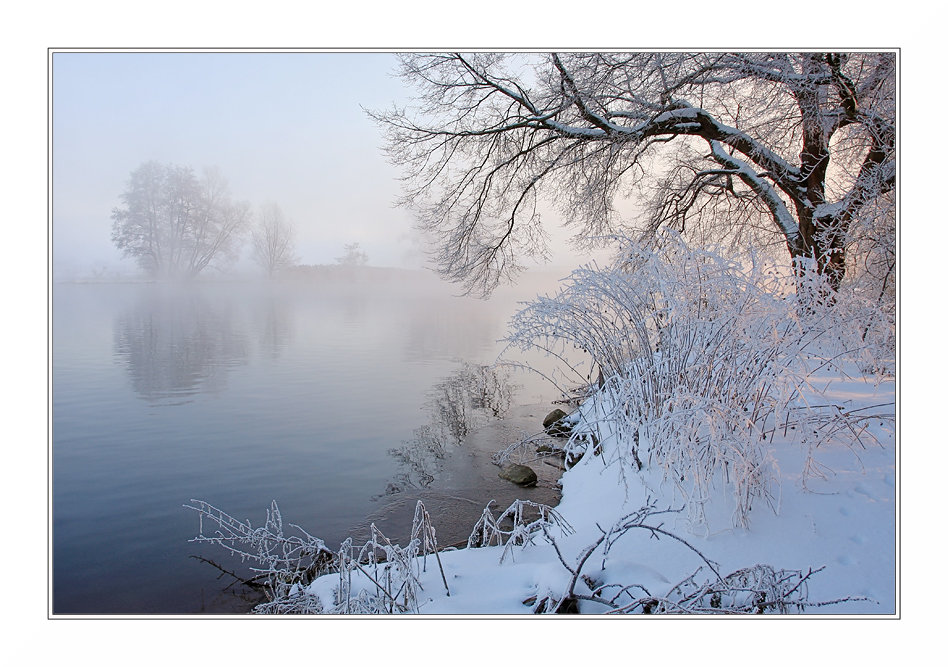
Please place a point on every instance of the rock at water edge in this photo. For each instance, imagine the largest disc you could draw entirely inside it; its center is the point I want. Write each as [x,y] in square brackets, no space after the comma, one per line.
[557,424]
[519,474]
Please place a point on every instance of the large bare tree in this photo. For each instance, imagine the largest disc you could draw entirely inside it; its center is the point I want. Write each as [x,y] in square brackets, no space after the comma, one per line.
[176,225]
[274,239]
[792,148]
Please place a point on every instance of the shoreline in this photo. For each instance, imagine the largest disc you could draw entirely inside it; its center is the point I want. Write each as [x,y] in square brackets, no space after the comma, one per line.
[470,481]
[456,500]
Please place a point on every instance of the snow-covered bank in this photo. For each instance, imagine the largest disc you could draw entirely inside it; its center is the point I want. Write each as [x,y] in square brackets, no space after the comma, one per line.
[835,510]
[737,455]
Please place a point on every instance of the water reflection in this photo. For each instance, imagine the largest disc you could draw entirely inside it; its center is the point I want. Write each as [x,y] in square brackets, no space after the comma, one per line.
[176,344]
[470,397]
[278,327]
[457,327]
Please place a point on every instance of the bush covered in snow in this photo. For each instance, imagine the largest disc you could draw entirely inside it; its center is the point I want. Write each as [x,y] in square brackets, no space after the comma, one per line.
[701,357]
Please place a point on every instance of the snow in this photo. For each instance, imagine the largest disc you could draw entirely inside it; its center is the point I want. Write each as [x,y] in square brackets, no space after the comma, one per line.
[827,209]
[844,522]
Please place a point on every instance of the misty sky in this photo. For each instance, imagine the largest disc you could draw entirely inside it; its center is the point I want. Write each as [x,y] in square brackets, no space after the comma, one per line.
[281,126]
[287,127]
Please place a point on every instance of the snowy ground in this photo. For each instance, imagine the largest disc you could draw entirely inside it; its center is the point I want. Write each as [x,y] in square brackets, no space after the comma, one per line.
[844,521]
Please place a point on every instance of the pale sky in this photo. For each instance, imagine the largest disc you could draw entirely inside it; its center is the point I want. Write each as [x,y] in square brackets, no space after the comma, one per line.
[281,126]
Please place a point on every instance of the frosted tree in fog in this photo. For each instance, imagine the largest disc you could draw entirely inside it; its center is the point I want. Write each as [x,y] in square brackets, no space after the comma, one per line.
[273,240]
[354,255]
[175,225]
[794,151]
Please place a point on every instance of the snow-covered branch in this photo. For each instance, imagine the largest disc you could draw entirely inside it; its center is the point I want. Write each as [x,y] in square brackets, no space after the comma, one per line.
[490,137]
[778,208]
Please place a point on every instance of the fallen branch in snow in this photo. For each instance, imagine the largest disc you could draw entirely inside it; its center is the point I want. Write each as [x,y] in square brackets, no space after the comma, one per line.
[751,590]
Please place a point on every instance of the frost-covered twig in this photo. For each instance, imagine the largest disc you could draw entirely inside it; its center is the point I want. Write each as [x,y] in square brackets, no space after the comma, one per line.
[285,560]
[751,590]
[423,529]
[489,532]
[517,450]
[289,563]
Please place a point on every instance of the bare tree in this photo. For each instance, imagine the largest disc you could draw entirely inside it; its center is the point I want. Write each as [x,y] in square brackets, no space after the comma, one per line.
[353,256]
[274,240]
[176,225]
[768,147]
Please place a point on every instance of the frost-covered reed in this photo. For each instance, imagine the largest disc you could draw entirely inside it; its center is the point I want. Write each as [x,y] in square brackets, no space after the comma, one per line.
[700,357]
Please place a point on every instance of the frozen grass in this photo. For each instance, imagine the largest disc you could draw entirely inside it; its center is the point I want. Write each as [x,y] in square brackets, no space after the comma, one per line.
[377,577]
[700,358]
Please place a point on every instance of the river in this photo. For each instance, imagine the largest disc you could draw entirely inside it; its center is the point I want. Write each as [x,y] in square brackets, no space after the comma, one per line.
[346,401]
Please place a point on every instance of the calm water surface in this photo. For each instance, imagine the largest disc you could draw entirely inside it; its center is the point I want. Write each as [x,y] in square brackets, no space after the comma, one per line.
[327,398]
